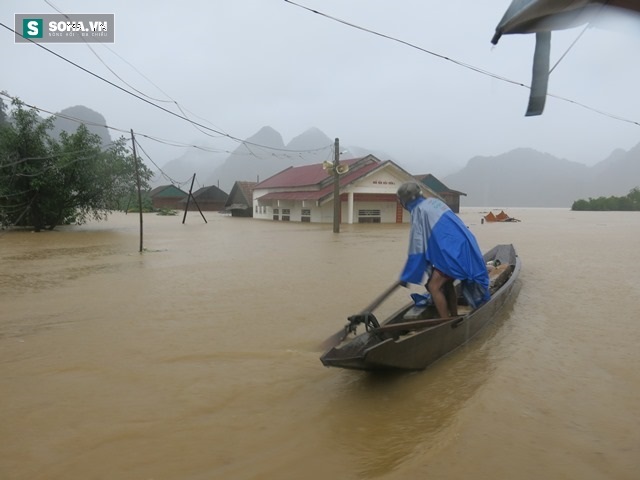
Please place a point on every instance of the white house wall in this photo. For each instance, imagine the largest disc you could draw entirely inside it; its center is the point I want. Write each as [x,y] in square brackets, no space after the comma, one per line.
[387,210]
[324,214]
[385,181]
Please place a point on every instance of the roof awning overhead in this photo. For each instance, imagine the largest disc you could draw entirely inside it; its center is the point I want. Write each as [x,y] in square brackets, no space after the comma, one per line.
[542,17]
[315,195]
[237,206]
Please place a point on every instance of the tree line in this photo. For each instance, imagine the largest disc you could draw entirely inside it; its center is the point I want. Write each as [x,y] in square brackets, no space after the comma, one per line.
[630,202]
[47,181]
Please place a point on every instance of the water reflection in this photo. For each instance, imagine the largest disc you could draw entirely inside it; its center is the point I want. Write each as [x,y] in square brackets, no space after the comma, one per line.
[395,413]
[198,361]
[36,262]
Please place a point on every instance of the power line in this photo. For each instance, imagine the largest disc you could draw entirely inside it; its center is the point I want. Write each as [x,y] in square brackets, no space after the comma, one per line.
[171,100]
[182,117]
[56,166]
[26,209]
[166,142]
[162,172]
[588,25]
[48,157]
[173,143]
[456,62]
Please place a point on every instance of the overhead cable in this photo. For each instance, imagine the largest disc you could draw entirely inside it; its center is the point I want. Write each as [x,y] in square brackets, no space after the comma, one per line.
[139,97]
[456,62]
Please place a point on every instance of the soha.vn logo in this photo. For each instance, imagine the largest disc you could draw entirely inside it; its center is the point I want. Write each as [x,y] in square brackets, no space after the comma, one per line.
[32,27]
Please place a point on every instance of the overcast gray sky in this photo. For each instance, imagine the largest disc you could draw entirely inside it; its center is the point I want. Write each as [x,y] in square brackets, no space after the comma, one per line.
[243,64]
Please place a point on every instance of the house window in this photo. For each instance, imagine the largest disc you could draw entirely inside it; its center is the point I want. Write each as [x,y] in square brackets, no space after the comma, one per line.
[305,216]
[369,216]
[276,214]
[286,214]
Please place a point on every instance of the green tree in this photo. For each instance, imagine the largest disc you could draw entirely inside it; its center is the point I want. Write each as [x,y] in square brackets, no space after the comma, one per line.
[580,205]
[45,183]
[24,153]
[3,112]
[634,198]
[630,202]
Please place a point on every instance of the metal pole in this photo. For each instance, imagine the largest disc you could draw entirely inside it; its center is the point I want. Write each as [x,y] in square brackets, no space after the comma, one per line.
[198,207]
[336,188]
[135,158]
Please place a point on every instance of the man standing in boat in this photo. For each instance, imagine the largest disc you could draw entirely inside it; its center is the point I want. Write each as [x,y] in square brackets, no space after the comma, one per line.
[441,246]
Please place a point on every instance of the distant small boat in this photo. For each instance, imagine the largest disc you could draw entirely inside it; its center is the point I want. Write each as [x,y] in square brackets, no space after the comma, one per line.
[410,341]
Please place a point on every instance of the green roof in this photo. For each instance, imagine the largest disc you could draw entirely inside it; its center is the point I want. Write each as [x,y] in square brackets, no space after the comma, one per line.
[167,191]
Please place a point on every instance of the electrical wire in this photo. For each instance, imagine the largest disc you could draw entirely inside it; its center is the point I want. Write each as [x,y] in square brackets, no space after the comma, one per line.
[173,143]
[50,157]
[171,100]
[456,62]
[160,170]
[56,166]
[102,61]
[150,137]
[135,95]
[587,26]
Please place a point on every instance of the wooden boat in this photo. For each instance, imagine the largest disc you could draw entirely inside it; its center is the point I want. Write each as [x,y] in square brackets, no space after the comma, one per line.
[412,339]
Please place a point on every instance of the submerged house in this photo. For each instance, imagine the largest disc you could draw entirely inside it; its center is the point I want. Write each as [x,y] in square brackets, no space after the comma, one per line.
[207,198]
[500,217]
[240,200]
[450,197]
[167,196]
[367,189]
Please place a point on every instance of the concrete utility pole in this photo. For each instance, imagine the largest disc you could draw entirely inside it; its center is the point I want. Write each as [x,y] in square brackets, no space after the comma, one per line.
[336,188]
[135,158]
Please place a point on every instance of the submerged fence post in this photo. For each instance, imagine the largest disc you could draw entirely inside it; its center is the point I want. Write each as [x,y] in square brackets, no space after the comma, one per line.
[191,197]
[184,217]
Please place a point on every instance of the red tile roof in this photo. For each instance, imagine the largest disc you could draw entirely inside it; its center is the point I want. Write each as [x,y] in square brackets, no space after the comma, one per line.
[311,182]
[345,180]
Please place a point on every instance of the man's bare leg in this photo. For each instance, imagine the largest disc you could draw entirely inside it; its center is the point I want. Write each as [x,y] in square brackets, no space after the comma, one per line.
[452,298]
[435,286]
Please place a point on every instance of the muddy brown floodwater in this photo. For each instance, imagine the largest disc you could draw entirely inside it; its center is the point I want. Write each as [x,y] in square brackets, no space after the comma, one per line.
[198,359]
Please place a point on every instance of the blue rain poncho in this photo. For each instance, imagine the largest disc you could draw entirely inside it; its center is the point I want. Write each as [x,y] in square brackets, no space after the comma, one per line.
[439,239]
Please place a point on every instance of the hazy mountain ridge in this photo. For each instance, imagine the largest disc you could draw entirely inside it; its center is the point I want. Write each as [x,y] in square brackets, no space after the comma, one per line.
[527,178]
[523,177]
[198,160]
[96,123]
[617,174]
[252,162]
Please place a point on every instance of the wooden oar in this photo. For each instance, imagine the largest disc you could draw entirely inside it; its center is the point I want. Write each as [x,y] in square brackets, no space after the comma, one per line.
[340,335]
